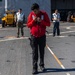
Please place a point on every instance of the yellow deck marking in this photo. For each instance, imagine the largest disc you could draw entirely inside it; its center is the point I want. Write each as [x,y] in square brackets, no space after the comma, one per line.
[56,58]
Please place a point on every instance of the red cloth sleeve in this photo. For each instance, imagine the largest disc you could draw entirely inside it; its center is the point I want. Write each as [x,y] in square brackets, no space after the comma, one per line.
[46,20]
[30,21]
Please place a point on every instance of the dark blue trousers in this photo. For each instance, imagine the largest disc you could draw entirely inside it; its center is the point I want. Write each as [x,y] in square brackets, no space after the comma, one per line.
[56,29]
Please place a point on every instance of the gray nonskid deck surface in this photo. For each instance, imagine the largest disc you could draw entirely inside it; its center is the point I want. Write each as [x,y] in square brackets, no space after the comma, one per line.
[16,54]
[15,58]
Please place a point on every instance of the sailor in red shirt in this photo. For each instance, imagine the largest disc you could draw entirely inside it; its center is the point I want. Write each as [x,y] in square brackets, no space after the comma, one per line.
[37,22]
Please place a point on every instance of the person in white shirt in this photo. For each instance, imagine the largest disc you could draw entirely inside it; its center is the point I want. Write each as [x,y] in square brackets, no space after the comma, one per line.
[56,20]
[20,19]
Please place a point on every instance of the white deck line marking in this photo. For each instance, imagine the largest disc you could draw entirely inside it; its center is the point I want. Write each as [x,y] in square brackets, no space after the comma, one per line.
[28,37]
[11,39]
[64,32]
[69,27]
[56,58]
[67,32]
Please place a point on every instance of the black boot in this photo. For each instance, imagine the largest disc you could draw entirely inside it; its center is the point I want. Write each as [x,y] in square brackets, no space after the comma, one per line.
[35,71]
[42,68]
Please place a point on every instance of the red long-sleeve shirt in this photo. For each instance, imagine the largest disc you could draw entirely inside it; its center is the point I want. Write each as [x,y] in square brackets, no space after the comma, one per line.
[38,29]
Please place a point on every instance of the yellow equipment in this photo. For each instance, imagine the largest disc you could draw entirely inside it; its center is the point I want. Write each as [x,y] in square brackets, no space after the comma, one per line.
[9,19]
[73,18]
